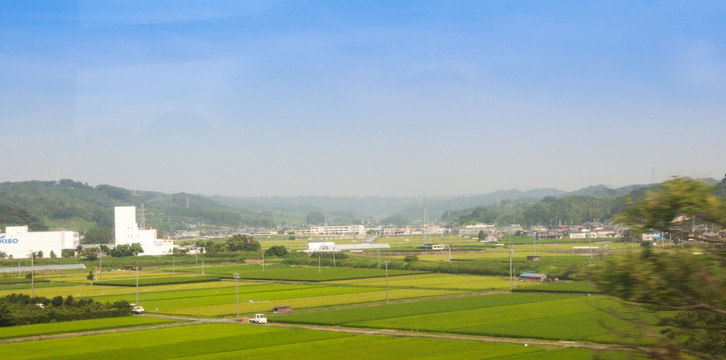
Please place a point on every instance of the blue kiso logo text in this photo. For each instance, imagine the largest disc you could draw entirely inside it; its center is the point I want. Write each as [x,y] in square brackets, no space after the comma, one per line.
[4,240]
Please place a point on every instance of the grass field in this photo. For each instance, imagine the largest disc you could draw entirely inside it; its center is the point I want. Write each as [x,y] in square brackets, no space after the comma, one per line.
[561,286]
[232,341]
[436,281]
[163,280]
[545,316]
[288,273]
[15,280]
[78,326]
[423,302]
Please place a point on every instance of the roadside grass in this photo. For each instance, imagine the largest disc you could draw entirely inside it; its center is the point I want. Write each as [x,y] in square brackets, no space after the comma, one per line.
[78,326]
[233,341]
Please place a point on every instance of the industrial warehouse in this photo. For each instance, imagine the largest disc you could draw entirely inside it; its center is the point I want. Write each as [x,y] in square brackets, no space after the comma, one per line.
[18,241]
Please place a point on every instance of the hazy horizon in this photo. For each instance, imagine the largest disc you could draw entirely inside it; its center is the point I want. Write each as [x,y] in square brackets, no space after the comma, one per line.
[328,98]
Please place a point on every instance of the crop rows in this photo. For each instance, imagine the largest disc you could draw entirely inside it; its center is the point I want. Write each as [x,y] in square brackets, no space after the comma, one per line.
[230,341]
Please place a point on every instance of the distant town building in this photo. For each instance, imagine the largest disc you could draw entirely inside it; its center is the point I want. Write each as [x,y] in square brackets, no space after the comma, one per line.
[334,230]
[652,236]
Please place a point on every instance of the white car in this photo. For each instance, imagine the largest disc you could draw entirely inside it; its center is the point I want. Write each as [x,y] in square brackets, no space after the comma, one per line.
[259,319]
[137,310]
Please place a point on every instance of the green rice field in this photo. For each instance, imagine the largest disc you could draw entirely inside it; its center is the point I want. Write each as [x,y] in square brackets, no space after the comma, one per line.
[544,316]
[79,326]
[426,303]
[233,341]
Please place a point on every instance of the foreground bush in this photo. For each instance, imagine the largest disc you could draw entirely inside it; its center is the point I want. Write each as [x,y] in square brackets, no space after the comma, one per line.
[21,309]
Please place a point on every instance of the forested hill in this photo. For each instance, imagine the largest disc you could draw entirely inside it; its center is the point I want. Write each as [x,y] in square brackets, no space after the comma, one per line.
[550,211]
[76,206]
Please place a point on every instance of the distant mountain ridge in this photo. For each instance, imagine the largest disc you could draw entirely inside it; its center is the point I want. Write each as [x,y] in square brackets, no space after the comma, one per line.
[76,205]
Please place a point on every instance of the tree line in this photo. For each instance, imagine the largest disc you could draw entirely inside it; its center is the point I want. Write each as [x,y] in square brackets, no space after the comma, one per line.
[21,309]
[550,211]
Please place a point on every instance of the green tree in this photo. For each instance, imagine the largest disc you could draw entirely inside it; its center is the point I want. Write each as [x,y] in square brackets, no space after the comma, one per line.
[481,235]
[137,249]
[89,254]
[121,250]
[693,286]
[675,207]
[242,243]
[53,255]
[278,251]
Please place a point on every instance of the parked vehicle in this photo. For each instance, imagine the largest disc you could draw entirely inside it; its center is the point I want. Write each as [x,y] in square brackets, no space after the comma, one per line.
[259,319]
[137,310]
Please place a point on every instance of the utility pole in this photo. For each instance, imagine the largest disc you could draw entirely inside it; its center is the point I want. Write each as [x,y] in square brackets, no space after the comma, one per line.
[377,252]
[196,265]
[263,261]
[511,271]
[32,275]
[387,281]
[137,284]
[236,291]
[590,249]
[318,263]
[172,266]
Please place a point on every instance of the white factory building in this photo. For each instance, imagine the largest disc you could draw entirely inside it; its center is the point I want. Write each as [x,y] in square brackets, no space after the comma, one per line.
[128,232]
[18,242]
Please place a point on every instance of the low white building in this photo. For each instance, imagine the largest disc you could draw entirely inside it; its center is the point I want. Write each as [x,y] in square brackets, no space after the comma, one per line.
[18,242]
[329,246]
[321,246]
[128,232]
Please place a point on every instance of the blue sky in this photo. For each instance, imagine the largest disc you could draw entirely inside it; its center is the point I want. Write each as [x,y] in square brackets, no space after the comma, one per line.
[390,98]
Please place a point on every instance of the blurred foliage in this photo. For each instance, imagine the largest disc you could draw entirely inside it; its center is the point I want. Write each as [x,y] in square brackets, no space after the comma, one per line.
[675,207]
[693,284]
